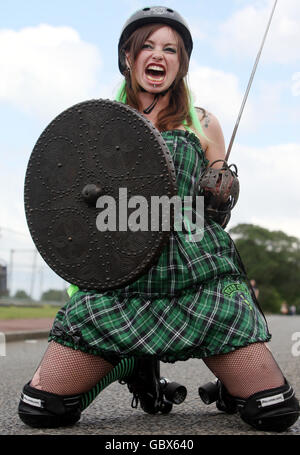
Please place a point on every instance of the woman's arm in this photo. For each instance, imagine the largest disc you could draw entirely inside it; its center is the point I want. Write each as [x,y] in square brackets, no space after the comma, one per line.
[220,186]
[214,146]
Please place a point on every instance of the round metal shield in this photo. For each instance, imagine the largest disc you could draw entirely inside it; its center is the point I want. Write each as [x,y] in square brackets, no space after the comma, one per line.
[91,182]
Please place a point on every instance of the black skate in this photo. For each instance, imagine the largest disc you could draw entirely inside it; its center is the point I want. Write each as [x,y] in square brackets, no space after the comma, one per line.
[155,394]
[215,392]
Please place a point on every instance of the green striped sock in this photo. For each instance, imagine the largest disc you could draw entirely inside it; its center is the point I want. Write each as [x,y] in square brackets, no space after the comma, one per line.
[122,370]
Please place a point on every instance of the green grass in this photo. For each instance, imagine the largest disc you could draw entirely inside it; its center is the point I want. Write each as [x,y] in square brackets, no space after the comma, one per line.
[18,312]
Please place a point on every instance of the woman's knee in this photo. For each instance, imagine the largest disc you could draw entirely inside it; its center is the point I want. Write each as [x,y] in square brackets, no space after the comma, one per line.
[275,409]
[41,409]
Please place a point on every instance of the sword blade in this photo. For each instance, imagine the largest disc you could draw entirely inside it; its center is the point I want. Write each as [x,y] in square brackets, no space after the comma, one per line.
[249,84]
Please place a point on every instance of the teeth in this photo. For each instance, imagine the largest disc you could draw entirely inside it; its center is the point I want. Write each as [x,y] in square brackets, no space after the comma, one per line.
[155,79]
[155,68]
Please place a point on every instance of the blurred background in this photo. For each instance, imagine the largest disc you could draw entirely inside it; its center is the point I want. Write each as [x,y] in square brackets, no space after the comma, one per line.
[56,54]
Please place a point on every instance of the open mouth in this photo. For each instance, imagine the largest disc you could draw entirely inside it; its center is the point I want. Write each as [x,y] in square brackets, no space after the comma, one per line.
[155,73]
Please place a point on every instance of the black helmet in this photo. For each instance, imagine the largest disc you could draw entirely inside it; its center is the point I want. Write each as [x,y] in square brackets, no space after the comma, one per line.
[150,15]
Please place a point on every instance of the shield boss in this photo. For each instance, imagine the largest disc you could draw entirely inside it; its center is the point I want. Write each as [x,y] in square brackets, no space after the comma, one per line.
[91,180]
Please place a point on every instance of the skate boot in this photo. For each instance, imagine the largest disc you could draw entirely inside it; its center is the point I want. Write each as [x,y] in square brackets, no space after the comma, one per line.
[215,392]
[154,393]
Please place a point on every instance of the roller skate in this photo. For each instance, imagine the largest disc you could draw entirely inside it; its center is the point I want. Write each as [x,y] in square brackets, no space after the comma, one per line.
[153,392]
[215,392]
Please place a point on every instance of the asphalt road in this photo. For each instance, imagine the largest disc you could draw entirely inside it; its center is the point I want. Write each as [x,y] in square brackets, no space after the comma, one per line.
[111,413]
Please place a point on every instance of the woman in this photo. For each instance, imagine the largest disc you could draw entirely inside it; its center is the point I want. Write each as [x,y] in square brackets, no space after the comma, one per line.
[195,302]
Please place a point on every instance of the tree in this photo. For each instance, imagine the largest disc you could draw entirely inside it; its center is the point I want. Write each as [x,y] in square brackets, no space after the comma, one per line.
[272,258]
[20,294]
[54,295]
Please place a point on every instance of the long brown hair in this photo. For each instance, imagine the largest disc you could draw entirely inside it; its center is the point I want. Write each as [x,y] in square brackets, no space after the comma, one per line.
[178,108]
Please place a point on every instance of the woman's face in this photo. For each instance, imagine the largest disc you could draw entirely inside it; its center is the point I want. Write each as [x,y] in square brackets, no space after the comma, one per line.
[157,64]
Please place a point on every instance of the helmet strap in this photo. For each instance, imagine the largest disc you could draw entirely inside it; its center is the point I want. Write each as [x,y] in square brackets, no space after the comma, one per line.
[150,108]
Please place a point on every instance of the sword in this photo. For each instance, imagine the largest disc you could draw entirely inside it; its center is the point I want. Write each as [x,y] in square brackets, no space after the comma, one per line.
[249,84]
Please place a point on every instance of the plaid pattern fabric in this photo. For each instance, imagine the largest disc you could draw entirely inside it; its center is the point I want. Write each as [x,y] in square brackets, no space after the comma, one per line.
[184,263]
[194,302]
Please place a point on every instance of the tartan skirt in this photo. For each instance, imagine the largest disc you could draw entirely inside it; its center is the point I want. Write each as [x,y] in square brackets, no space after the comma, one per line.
[216,317]
[194,302]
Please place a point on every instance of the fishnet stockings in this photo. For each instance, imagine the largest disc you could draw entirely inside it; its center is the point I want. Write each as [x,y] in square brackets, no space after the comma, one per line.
[247,370]
[65,371]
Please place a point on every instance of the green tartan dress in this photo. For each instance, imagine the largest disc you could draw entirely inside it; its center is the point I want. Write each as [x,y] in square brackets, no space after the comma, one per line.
[194,302]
